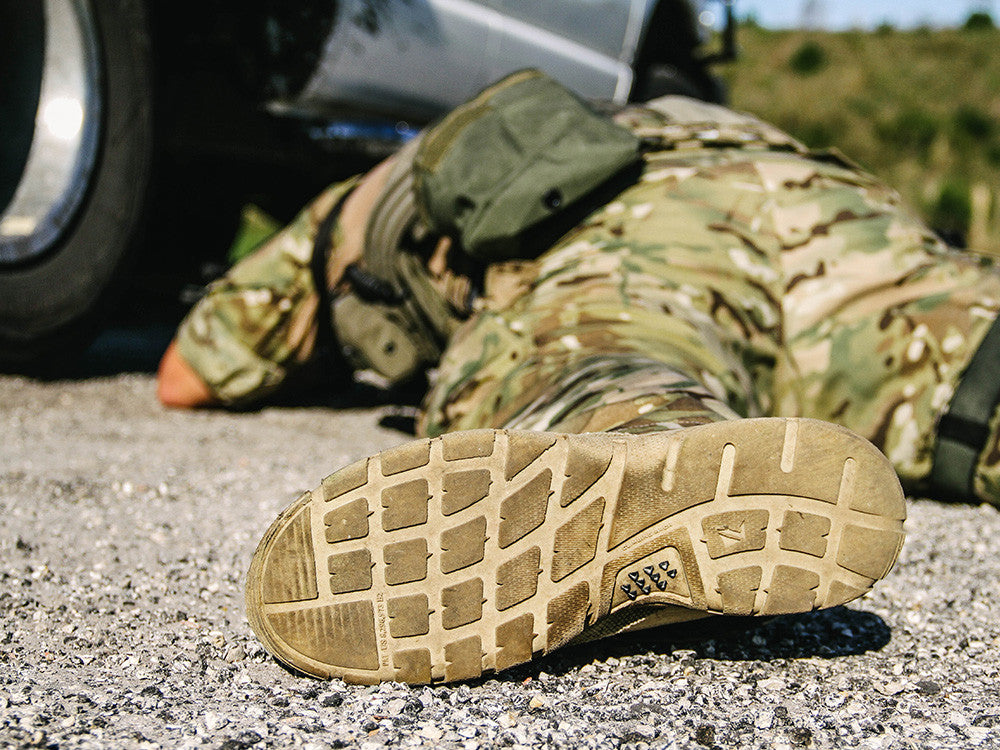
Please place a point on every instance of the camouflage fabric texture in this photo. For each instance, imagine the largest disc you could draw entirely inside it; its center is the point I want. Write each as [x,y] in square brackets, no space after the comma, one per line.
[740,276]
[258,323]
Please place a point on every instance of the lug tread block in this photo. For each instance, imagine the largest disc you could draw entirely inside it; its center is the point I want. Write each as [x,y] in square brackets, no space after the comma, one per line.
[463,545]
[464,659]
[463,489]
[576,540]
[350,571]
[567,615]
[405,562]
[841,593]
[405,505]
[791,590]
[642,501]
[408,616]
[804,532]
[735,531]
[290,573]
[738,589]
[586,462]
[349,521]
[517,579]
[413,666]
[524,448]
[470,444]
[462,603]
[524,510]
[347,479]
[876,498]
[868,552]
[405,457]
[341,635]
[514,640]
[783,459]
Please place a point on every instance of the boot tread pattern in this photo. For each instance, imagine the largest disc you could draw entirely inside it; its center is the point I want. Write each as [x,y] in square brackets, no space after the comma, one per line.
[451,557]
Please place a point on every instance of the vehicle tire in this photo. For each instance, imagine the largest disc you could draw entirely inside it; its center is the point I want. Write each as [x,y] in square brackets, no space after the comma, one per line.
[84,100]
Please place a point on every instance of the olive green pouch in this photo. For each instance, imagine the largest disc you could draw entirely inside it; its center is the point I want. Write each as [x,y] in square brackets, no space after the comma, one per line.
[520,152]
[378,337]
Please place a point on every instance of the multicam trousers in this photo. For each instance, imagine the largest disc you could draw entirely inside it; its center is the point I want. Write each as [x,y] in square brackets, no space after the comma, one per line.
[739,277]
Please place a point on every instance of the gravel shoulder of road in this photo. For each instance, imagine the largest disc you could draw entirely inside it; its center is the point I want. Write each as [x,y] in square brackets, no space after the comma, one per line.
[126,530]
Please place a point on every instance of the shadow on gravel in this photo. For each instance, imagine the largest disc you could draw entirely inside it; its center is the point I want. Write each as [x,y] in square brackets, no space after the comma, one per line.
[136,347]
[827,633]
[120,349]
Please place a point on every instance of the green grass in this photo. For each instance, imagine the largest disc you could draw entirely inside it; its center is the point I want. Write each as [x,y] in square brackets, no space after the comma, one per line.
[921,109]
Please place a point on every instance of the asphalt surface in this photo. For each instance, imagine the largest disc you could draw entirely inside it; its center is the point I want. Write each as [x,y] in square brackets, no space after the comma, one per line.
[126,530]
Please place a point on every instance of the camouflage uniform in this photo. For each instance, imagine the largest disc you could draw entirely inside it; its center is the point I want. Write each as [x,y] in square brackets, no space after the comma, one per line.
[740,276]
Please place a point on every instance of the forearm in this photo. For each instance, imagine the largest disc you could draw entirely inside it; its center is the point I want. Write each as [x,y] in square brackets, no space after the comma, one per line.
[254,326]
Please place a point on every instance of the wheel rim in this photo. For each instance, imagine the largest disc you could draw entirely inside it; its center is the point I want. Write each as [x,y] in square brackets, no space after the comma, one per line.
[63,147]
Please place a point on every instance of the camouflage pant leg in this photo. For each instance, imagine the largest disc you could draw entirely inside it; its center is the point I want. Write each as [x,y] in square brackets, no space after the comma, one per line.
[644,318]
[733,282]
[880,317]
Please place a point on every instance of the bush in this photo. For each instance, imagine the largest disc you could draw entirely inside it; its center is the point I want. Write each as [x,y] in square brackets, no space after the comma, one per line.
[808,59]
[952,212]
[822,134]
[973,123]
[863,106]
[911,129]
[978,21]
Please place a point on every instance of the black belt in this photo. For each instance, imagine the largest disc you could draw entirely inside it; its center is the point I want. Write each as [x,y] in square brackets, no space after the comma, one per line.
[964,429]
[328,351]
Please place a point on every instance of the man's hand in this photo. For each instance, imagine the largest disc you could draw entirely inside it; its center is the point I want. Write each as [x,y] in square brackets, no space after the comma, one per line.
[178,385]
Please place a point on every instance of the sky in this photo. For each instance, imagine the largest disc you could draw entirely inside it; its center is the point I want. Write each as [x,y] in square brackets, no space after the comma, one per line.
[841,14]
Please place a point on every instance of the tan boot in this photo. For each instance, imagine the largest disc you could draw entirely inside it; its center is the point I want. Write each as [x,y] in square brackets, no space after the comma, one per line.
[451,557]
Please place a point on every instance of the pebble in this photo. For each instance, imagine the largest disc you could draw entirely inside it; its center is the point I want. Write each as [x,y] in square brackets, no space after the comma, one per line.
[430,732]
[765,719]
[928,687]
[214,721]
[891,688]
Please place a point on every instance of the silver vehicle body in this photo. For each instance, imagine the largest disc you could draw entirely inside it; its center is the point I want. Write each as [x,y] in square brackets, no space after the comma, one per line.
[456,47]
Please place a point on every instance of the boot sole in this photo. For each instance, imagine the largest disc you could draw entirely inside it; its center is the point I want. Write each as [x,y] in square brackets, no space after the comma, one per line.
[451,557]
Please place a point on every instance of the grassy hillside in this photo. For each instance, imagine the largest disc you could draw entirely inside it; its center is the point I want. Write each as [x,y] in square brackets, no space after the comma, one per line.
[920,109]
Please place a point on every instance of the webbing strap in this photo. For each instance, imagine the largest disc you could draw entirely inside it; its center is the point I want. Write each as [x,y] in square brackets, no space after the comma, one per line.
[393,216]
[322,245]
[964,429]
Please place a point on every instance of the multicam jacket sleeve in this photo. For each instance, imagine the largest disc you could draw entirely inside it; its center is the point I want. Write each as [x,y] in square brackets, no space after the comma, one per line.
[258,323]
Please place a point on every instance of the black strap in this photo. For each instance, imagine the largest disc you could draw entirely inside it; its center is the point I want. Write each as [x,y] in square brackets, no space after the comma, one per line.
[328,350]
[370,287]
[964,429]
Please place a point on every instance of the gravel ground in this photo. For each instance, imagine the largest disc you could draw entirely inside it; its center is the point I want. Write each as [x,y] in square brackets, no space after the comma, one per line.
[126,529]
